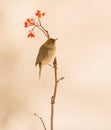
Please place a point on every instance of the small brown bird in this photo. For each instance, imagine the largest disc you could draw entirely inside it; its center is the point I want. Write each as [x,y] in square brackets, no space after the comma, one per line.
[46,53]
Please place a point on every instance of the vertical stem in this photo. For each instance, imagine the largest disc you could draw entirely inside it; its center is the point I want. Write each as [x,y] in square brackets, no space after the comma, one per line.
[54,95]
[52,114]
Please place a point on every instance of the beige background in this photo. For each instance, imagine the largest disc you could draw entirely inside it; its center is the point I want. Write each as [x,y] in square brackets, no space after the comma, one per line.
[84,58]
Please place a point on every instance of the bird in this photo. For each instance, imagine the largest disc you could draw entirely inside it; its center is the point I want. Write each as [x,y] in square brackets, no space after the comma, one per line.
[46,53]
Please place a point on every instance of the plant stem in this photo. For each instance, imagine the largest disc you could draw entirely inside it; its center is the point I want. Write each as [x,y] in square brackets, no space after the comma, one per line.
[54,94]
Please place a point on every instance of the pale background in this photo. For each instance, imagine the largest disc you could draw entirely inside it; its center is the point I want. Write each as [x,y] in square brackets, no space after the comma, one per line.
[84,58]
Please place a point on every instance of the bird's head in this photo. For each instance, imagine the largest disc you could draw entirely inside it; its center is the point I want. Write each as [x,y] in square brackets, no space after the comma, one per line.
[50,42]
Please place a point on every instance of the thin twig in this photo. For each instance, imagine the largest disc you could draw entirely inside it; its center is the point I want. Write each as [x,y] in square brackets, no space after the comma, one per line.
[33,28]
[41,121]
[41,29]
[39,25]
[60,79]
[51,65]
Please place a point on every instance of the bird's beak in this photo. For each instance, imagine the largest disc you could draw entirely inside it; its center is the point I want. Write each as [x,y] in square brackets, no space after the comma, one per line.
[56,39]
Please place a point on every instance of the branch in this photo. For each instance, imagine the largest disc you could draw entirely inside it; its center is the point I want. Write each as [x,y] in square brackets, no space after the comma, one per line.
[54,93]
[41,121]
[60,79]
[40,26]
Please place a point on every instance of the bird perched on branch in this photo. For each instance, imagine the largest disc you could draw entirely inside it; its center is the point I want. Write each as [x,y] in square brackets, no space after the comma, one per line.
[46,53]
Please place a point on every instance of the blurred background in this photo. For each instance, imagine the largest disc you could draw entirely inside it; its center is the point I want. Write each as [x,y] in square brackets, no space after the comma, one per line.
[84,58]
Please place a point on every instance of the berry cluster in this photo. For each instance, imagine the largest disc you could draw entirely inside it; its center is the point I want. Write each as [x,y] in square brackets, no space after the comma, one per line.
[33,22]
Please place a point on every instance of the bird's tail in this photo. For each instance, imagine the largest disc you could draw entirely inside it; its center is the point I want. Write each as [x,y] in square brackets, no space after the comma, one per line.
[40,67]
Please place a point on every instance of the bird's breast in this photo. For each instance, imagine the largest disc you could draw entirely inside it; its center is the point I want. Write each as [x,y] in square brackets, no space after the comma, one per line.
[49,57]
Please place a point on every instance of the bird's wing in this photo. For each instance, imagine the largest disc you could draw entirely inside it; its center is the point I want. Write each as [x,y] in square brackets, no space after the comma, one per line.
[43,51]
